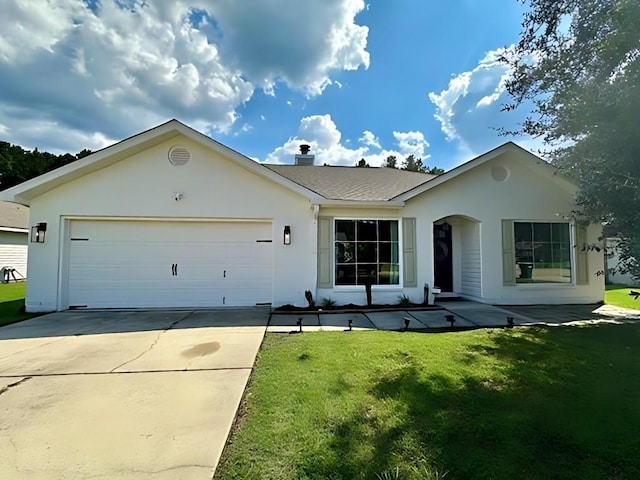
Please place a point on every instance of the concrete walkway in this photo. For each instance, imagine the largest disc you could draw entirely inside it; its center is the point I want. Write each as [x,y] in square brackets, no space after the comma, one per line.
[466,314]
[123,395]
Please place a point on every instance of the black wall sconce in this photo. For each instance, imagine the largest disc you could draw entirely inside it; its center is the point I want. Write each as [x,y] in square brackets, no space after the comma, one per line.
[287,235]
[38,232]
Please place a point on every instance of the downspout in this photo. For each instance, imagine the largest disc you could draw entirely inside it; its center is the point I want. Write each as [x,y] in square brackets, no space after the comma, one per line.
[314,225]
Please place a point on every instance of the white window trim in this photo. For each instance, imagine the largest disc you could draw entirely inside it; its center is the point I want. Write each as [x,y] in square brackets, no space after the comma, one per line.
[572,246]
[358,288]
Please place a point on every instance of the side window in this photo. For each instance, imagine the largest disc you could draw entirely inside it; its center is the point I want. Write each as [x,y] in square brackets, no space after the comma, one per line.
[543,252]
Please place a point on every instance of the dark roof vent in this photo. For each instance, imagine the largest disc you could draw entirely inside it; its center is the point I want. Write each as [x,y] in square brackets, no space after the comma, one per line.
[304,149]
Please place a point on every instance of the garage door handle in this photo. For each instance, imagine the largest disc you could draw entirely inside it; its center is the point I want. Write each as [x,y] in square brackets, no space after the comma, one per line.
[174,269]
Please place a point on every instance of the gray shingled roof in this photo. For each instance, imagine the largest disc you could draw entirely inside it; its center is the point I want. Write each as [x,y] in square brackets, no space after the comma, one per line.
[351,183]
[14,215]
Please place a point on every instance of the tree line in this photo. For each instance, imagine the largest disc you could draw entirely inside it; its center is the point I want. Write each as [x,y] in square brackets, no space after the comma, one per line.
[411,164]
[18,165]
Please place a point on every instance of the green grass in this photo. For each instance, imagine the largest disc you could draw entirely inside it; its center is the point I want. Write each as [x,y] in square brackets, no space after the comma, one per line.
[12,303]
[486,404]
[618,295]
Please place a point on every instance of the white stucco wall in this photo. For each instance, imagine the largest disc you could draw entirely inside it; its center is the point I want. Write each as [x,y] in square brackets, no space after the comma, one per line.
[214,188]
[527,194]
[13,251]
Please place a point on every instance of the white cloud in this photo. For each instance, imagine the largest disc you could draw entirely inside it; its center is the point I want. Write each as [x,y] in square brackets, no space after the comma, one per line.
[118,67]
[27,29]
[322,134]
[411,143]
[59,138]
[469,109]
[299,43]
[369,139]
[244,129]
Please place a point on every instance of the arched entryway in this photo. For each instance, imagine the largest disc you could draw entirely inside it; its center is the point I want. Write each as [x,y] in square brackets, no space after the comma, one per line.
[457,256]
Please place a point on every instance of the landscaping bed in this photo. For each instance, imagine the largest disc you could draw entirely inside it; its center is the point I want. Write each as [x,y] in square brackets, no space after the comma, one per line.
[353,308]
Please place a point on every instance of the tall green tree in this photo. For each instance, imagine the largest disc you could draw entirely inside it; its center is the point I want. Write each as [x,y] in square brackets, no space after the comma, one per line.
[391,162]
[578,64]
[434,170]
[413,164]
[362,163]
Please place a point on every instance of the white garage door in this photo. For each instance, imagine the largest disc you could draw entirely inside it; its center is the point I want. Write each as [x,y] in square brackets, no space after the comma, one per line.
[169,264]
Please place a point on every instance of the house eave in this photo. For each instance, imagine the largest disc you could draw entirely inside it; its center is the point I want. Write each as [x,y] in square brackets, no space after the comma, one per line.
[390,204]
[14,230]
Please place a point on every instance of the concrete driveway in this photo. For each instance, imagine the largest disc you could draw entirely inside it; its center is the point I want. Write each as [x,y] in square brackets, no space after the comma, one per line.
[114,395]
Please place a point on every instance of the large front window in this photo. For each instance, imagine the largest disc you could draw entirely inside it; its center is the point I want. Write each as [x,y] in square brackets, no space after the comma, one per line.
[366,251]
[543,252]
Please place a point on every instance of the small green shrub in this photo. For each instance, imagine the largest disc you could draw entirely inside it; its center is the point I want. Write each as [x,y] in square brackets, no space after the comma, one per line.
[326,302]
[404,301]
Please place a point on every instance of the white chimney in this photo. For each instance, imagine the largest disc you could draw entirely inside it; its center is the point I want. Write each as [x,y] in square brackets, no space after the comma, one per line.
[304,158]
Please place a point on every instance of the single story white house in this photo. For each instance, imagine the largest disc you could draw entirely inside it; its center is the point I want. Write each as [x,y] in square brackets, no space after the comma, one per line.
[172,218]
[14,234]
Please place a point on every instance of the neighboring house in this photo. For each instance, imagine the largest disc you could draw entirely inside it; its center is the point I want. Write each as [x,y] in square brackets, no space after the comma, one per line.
[612,264]
[172,218]
[14,234]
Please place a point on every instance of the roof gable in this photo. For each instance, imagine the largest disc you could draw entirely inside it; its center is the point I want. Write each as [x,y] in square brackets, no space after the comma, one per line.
[522,155]
[26,191]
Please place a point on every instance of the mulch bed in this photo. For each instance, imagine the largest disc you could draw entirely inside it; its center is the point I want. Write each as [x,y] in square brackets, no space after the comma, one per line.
[351,307]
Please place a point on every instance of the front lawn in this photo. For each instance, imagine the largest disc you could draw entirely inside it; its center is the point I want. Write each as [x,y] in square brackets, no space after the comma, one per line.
[618,295]
[527,403]
[12,303]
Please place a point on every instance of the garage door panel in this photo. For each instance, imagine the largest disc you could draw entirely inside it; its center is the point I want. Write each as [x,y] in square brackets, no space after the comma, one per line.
[129,264]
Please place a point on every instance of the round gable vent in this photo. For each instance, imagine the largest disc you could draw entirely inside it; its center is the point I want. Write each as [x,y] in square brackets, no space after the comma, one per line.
[499,173]
[179,156]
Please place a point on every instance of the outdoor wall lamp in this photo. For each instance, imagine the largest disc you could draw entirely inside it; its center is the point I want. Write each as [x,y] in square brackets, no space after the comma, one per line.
[287,235]
[38,231]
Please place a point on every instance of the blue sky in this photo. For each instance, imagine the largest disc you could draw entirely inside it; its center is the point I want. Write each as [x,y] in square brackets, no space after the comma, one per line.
[353,79]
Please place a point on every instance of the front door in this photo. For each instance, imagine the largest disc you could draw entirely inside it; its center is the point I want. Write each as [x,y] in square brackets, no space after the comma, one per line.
[442,259]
